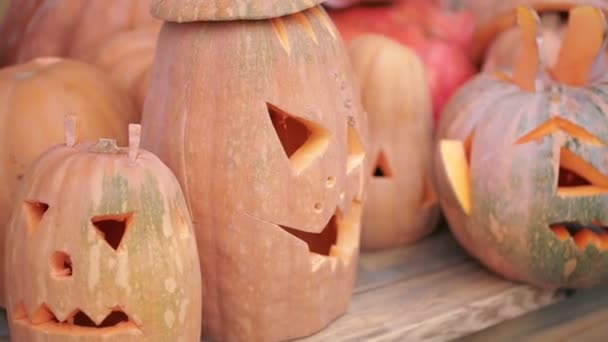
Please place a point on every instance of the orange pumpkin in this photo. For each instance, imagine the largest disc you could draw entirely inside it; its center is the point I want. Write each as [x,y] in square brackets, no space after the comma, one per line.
[267,137]
[108,244]
[401,206]
[127,57]
[67,28]
[36,95]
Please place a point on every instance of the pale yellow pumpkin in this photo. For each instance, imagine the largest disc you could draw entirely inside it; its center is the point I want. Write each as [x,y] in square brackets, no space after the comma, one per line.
[401,207]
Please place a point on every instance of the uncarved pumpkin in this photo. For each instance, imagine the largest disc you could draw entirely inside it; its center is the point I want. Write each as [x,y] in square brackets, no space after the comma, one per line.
[101,247]
[494,17]
[521,164]
[262,123]
[67,28]
[401,206]
[35,97]
[127,57]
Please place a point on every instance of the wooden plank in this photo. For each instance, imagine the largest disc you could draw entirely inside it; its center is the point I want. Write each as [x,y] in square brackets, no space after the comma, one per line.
[438,306]
[582,317]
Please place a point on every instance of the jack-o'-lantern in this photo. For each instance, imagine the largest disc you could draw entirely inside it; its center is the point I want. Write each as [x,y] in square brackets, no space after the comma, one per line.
[101,247]
[401,205]
[36,95]
[262,124]
[521,164]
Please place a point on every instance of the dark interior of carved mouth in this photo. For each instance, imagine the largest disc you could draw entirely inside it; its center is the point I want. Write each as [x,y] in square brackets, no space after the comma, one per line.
[79,318]
[582,234]
[319,243]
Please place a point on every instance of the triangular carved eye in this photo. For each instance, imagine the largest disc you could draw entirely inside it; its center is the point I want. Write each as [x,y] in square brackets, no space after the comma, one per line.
[112,228]
[382,168]
[34,210]
[302,140]
[577,177]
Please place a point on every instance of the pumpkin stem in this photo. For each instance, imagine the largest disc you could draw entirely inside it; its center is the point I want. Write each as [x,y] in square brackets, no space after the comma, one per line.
[582,50]
[105,145]
[134,140]
[70,130]
[527,64]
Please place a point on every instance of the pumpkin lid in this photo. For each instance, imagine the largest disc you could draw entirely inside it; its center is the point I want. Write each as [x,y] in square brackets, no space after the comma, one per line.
[222,10]
[493,17]
[581,57]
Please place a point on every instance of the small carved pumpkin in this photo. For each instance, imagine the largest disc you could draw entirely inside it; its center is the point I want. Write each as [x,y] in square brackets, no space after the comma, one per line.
[36,95]
[522,168]
[261,124]
[101,247]
[401,205]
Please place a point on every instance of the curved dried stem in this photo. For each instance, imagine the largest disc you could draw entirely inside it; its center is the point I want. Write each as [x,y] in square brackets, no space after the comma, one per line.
[70,130]
[134,141]
[583,47]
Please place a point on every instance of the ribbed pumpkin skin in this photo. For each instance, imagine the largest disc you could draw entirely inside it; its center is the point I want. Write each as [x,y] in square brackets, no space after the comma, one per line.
[153,275]
[207,116]
[68,28]
[400,207]
[493,17]
[35,97]
[127,57]
[514,185]
[220,10]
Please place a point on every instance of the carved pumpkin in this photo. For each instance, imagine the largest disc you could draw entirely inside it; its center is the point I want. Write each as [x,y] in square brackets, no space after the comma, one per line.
[127,57]
[521,164]
[109,251]
[262,125]
[67,28]
[494,17]
[401,205]
[36,95]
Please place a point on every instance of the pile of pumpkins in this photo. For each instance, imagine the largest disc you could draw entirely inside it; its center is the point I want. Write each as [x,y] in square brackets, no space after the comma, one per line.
[185,168]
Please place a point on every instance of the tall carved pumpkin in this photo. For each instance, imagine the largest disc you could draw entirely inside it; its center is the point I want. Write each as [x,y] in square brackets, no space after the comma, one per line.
[101,247]
[261,123]
[36,96]
[67,28]
[401,206]
[522,168]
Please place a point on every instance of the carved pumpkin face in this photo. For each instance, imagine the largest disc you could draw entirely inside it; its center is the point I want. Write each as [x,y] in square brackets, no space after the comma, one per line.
[522,165]
[101,246]
[267,139]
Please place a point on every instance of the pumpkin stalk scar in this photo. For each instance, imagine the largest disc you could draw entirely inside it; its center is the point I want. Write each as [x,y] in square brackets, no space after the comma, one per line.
[454,159]
[70,130]
[281,32]
[134,141]
[558,124]
[581,46]
[302,19]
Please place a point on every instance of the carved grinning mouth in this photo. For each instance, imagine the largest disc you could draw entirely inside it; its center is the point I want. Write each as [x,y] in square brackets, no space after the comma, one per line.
[44,317]
[582,234]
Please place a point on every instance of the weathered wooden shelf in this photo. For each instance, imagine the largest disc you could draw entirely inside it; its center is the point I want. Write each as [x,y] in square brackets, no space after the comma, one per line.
[433,291]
